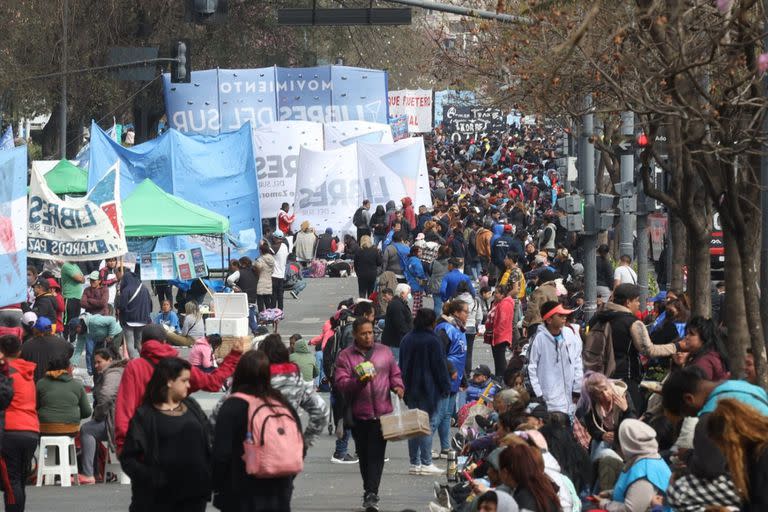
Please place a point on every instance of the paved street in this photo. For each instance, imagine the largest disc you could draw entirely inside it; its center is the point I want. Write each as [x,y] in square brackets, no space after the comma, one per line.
[323,486]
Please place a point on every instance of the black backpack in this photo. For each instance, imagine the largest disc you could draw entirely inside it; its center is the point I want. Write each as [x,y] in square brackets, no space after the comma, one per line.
[357,219]
[333,345]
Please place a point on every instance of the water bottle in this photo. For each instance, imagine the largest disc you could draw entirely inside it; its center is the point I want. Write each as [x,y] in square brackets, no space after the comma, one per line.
[453,470]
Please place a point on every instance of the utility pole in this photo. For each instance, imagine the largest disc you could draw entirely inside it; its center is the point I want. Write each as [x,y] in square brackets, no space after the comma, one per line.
[627,176]
[587,170]
[63,105]
[642,245]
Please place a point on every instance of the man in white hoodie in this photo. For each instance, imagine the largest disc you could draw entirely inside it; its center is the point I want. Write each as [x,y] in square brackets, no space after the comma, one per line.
[555,368]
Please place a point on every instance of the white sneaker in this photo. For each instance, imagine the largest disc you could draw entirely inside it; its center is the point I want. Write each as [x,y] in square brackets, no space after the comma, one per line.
[431,470]
[414,470]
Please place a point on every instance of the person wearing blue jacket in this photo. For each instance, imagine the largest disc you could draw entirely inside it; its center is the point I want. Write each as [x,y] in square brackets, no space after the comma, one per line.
[452,279]
[416,277]
[427,385]
[450,330]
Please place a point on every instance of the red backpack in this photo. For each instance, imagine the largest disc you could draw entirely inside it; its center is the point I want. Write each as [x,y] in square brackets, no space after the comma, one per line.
[274,444]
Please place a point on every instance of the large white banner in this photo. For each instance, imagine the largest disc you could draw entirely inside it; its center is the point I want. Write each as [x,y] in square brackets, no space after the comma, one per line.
[276,149]
[76,229]
[394,171]
[327,188]
[344,133]
[416,104]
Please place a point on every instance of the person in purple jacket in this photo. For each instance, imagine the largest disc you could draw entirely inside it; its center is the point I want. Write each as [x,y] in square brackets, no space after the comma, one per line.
[366,372]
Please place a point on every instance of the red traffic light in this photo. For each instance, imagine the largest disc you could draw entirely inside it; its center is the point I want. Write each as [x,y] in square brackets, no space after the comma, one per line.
[642,140]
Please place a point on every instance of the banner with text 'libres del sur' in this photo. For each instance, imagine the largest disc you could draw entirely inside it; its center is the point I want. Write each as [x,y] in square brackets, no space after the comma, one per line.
[76,229]
[222,100]
[331,184]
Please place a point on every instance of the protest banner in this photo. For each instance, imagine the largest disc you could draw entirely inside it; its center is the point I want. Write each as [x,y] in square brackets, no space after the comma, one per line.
[451,97]
[416,105]
[390,172]
[221,100]
[76,229]
[464,123]
[13,225]
[276,149]
[344,133]
[399,127]
[327,188]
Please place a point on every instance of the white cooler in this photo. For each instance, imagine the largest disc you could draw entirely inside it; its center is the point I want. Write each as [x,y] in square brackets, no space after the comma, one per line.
[231,315]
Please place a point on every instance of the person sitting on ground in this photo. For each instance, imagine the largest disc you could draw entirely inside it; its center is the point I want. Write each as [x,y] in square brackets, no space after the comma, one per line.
[101,426]
[202,354]
[302,357]
[61,401]
[138,372]
[44,347]
[481,377]
[168,317]
[192,329]
[645,479]
[602,406]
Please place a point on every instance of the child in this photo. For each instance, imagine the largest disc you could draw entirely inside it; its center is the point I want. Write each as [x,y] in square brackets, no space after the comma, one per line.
[201,355]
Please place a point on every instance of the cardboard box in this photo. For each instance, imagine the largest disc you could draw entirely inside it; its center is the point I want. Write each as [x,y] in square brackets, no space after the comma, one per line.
[405,425]
[226,345]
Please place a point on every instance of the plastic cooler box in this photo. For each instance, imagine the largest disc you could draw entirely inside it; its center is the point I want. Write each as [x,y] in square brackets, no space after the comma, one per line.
[231,310]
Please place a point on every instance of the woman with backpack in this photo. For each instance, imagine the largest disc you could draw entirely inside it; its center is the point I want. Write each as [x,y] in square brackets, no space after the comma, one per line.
[167,452]
[238,486]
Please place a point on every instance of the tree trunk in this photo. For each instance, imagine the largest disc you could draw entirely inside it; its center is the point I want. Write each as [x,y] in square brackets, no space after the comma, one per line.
[699,279]
[735,321]
[678,232]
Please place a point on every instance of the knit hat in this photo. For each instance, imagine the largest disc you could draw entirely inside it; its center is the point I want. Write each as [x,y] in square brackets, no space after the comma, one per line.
[29,318]
[637,439]
[546,276]
[43,324]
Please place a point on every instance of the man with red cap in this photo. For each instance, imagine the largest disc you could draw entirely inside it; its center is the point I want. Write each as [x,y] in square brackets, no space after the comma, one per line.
[555,368]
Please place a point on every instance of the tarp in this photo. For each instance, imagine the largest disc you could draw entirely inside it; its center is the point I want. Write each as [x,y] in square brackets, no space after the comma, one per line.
[345,133]
[149,211]
[13,225]
[221,100]
[67,178]
[78,228]
[216,173]
[331,184]
[276,147]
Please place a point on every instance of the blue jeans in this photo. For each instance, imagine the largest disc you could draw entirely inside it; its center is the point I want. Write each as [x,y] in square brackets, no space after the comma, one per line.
[377,239]
[474,269]
[253,312]
[438,307]
[420,450]
[319,360]
[342,444]
[441,420]
[90,346]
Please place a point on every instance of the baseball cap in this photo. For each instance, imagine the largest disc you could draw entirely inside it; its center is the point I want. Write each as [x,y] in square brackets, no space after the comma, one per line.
[660,297]
[94,276]
[551,308]
[43,324]
[278,234]
[482,370]
[43,283]
[52,283]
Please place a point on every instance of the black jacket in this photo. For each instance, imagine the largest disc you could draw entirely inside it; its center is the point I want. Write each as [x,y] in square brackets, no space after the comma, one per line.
[150,490]
[624,352]
[41,350]
[398,321]
[604,272]
[248,282]
[45,305]
[367,262]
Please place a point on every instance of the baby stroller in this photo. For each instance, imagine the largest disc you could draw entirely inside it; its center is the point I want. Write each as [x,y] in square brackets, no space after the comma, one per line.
[294,282]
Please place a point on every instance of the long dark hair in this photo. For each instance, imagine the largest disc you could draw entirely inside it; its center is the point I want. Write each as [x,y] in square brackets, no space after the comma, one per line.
[707,331]
[252,376]
[275,350]
[526,467]
[168,368]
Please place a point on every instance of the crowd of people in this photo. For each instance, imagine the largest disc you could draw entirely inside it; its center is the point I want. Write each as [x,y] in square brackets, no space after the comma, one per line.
[633,409]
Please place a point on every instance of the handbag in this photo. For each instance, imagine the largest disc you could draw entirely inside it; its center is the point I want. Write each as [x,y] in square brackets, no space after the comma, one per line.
[488,334]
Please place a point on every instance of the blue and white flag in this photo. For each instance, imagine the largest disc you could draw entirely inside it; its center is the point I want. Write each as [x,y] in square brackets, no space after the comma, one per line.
[7,141]
[13,225]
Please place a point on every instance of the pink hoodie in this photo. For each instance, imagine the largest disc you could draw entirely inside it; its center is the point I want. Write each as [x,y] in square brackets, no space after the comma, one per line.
[201,353]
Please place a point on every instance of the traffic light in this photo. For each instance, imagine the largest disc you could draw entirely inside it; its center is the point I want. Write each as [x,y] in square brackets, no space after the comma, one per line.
[605,206]
[181,67]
